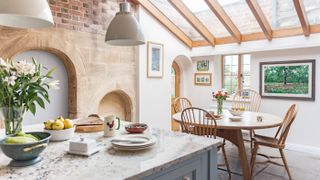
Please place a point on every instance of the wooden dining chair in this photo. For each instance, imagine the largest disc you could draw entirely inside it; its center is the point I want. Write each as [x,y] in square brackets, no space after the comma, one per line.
[181,103]
[250,100]
[202,124]
[278,141]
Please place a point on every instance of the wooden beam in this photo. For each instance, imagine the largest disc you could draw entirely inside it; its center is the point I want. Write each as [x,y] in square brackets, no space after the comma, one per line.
[260,17]
[225,19]
[193,20]
[260,36]
[298,4]
[155,12]
[135,2]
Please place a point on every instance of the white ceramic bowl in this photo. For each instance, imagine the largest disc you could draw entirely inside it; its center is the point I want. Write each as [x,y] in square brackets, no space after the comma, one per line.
[236,113]
[61,135]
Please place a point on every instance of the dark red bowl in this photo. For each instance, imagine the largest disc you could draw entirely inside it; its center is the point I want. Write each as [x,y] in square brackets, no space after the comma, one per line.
[136,127]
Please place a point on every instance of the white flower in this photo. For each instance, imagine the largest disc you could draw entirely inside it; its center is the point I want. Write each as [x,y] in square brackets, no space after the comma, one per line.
[3,63]
[24,68]
[10,80]
[34,79]
[54,84]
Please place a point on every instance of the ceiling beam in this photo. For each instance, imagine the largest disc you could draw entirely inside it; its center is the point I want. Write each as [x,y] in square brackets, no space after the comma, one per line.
[135,2]
[156,13]
[260,17]
[298,4]
[193,20]
[280,33]
[224,19]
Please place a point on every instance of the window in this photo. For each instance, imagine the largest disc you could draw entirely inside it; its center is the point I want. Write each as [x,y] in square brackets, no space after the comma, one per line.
[236,72]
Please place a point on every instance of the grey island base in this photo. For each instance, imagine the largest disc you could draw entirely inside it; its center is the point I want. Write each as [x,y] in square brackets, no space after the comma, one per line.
[175,156]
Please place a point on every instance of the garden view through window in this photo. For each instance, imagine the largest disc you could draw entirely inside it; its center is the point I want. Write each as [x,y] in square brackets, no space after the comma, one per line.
[236,72]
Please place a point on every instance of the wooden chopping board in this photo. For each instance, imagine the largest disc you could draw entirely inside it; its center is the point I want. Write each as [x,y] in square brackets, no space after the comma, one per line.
[89,124]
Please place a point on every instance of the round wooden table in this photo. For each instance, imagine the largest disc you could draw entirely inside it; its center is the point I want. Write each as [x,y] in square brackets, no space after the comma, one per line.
[231,131]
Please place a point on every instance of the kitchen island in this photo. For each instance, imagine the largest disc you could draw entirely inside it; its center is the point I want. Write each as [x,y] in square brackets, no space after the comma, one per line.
[175,156]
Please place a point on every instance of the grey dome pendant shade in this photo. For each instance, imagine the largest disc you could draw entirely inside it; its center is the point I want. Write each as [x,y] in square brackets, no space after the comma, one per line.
[124,29]
[25,13]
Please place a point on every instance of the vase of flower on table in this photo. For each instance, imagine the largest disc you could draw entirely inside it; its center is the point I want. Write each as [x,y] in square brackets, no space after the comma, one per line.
[23,86]
[220,97]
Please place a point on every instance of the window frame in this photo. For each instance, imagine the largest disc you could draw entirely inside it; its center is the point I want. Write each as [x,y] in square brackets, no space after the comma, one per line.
[240,69]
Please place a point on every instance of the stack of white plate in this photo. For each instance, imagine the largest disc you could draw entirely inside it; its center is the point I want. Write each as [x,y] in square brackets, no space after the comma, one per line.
[133,142]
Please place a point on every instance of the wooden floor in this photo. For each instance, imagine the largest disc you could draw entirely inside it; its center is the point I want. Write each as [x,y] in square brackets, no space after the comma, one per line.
[302,165]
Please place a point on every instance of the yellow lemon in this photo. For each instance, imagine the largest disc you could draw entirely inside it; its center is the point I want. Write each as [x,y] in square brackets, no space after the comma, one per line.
[48,124]
[68,123]
[58,125]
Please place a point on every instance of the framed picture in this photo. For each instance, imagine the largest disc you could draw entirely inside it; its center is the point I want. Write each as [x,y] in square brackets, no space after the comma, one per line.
[154,60]
[288,80]
[203,79]
[203,65]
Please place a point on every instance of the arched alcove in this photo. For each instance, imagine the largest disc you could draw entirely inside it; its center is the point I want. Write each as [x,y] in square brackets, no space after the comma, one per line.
[68,66]
[116,103]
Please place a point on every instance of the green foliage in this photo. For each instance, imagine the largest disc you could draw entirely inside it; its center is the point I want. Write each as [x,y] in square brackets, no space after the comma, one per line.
[22,84]
[292,88]
[286,74]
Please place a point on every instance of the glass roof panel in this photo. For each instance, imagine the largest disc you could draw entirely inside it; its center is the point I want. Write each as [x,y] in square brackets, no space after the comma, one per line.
[312,8]
[207,17]
[280,14]
[241,15]
[166,8]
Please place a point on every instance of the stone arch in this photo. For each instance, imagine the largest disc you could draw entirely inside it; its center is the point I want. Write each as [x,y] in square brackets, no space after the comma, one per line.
[118,103]
[71,72]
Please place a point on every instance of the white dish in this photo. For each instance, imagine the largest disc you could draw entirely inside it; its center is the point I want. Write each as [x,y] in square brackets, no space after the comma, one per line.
[132,149]
[61,135]
[235,118]
[83,153]
[124,142]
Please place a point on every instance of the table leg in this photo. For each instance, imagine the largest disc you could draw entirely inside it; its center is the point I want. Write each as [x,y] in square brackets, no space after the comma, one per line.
[235,137]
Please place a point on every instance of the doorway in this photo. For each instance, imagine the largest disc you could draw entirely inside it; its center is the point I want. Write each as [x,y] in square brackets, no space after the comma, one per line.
[175,91]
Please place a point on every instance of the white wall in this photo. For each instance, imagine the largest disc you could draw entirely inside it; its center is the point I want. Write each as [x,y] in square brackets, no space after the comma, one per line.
[305,130]
[154,94]
[58,98]
[200,96]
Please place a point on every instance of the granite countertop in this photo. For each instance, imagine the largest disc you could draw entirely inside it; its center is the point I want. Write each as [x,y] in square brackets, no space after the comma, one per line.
[108,163]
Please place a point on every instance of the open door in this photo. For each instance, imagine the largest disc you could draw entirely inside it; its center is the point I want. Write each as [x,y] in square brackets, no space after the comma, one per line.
[175,91]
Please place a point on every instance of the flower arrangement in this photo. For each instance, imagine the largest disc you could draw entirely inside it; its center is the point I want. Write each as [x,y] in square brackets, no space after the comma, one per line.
[22,86]
[220,96]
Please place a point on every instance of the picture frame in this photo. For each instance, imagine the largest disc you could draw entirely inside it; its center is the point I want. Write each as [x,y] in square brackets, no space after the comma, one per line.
[203,65]
[293,80]
[155,54]
[203,79]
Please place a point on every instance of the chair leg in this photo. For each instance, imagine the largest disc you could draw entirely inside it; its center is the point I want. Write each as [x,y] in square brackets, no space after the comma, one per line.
[285,163]
[253,158]
[251,142]
[226,161]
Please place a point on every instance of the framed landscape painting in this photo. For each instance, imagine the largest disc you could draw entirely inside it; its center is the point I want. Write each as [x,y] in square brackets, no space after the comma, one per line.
[155,60]
[203,65]
[288,80]
[203,79]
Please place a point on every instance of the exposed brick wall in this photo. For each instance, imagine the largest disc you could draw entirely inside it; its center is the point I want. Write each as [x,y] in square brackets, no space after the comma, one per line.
[92,16]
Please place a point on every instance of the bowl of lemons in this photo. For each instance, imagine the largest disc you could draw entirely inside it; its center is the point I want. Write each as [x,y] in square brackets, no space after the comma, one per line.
[61,129]
[237,111]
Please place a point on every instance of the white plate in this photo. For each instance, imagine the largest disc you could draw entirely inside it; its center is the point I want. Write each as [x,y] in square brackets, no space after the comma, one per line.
[132,148]
[235,118]
[150,140]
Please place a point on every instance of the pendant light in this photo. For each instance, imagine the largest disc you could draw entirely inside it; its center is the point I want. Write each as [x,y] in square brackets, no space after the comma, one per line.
[25,13]
[124,29]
